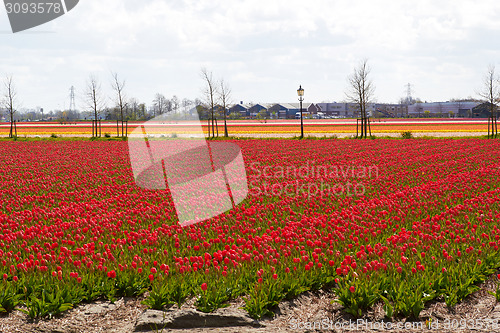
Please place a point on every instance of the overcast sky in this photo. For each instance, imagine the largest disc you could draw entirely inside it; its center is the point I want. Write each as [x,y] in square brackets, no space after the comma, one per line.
[263,49]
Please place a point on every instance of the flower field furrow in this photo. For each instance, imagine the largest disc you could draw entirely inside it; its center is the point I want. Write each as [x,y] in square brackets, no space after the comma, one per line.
[396,221]
[277,126]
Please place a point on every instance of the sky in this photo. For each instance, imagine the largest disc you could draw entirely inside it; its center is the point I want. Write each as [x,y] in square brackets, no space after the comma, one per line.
[263,49]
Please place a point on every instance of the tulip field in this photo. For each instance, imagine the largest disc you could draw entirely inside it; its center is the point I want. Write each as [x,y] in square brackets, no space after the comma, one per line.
[401,222]
[450,127]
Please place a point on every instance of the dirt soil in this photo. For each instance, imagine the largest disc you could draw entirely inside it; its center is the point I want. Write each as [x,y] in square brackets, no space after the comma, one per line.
[310,312]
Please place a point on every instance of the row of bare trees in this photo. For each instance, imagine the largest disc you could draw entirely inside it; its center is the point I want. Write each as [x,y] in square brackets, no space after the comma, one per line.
[361,92]
[162,104]
[93,98]
[10,102]
[491,93]
[217,93]
[95,102]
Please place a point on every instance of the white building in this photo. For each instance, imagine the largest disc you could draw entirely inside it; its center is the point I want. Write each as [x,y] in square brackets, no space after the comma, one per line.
[442,109]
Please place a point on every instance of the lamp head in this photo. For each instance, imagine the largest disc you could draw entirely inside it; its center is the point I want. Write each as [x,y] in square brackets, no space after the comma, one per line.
[300,91]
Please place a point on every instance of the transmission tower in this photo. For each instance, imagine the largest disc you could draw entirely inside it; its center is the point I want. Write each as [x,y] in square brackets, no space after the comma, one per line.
[408,93]
[409,99]
[72,106]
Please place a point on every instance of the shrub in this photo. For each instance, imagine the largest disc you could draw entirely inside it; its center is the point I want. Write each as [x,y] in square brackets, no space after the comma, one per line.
[407,135]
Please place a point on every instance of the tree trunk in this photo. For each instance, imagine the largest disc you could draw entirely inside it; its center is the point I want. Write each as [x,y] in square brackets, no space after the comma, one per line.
[366,125]
[95,120]
[11,125]
[225,123]
[213,128]
[489,119]
[363,121]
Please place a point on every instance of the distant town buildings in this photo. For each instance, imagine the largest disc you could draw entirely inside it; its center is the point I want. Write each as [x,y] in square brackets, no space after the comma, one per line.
[450,109]
[443,109]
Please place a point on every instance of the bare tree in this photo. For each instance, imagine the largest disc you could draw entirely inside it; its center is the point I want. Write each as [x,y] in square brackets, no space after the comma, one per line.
[9,102]
[159,104]
[142,108]
[118,86]
[210,93]
[175,103]
[133,105]
[491,93]
[186,103]
[224,96]
[94,100]
[169,106]
[360,92]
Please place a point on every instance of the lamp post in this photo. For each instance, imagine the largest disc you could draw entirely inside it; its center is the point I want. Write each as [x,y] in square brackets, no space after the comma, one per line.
[300,92]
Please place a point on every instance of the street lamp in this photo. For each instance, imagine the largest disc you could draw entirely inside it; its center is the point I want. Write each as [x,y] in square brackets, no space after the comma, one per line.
[300,92]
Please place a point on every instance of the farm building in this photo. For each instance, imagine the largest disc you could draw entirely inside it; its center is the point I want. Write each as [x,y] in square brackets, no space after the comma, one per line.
[442,109]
